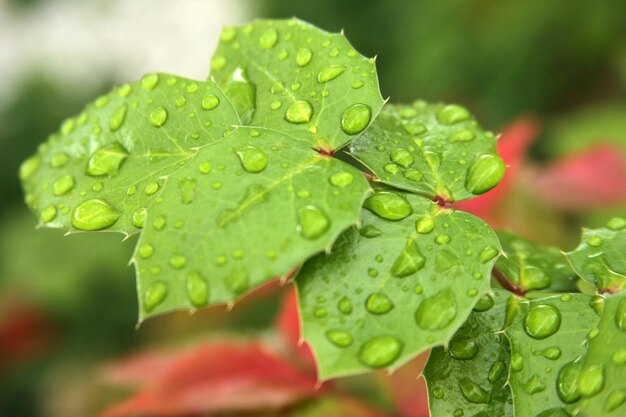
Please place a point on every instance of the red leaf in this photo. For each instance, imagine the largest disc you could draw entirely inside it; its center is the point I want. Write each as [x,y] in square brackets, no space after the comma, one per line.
[288,324]
[591,179]
[217,378]
[512,146]
[337,406]
[407,389]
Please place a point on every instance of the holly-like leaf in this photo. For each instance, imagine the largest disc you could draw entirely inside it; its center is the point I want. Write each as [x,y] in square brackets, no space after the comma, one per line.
[600,383]
[404,282]
[534,267]
[302,79]
[601,256]
[432,149]
[171,154]
[546,336]
[470,376]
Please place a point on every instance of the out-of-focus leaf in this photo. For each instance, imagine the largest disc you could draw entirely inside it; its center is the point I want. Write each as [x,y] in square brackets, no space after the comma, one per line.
[336,406]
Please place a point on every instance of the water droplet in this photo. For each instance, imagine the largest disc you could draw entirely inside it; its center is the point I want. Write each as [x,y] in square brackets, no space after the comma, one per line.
[345,306]
[205,167]
[187,187]
[392,168]
[299,112]
[542,321]
[533,278]
[146,250]
[409,261]
[487,254]
[415,128]
[329,73]
[484,303]
[252,159]
[339,338]
[413,174]
[619,357]
[567,383]
[178,261]
[380,351]
[591,380]
[106,160]
[614,400]
[152,188]
[620,315]
[154,295]
[425,225]
[312,222]
[452,114]
[438,393]
[356,118]
[217,63]
[388,205]
[149,81]
[496,371]
[463,135]
[237,280]
[517,362]
[402,157]
[357,84]
[534,385]
[94,214]
[139,216]
[438,311]
[378,303]
[463,348]
[197,289]
[442,239]
[158,116]
[28,167]
[595,241]
[553,353]
[370,231]
[63,185]
[472,392]
[228,34]
[446,260]
[616,223]
[48,214]
[303,57]
[210,102]
[341,179]
[59,160]
[117,118]
[268,39]
[484,173]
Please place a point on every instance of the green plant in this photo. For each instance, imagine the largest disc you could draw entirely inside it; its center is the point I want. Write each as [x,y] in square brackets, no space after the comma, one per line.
[256,172]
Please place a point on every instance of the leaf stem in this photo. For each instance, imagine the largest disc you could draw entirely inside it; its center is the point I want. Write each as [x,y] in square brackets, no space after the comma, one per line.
[506,283]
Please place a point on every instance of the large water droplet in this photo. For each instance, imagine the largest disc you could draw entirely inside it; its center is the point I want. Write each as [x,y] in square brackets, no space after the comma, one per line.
[197,289]
[388,205]
[252,159]
[345,306]
[63,185]
[312,222]
[472,392]
[402,157]
[614,400]
[616,223]
[106,160]
[542,321]
[28,167]
[94,214]
[409,261]
[210,102]
[299,112]
[534,385]
[370,231]
[158,116]
[567,383]
[380,351]
[452,114]
[591,380]
[303,57]
[484,303]
[339,338]
[356,118]
[154,295]
[378,303]
[484,173]
[438,311]
[620,315]
[425,225]
[149,81]
[329,73]
[48,214]
[463,348]
[117,118]
[533,278]
[268,39]
[487,254]
[341,179]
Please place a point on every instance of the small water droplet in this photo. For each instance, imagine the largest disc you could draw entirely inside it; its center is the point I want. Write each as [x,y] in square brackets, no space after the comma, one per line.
[370,231]
[345,306]
[378,303]
[59,160]
[356,118]
[146,250]
[409,261]
[217,63]
[402,157]
[268,39]
[388,205]
[341,179]
[117,118]
[139,216]
[438,311]
[357,84]
[237,280]
[380,351]
[487,254]
[452,114]
[463,348]
[496,371]
[63,185]
[178,261]
[595,241]
[463,135]
[553,353]
[438,393]
[339,338]
[48,214]
[484,173]
[154,295]
[210,102]
[205,167]
[542,321]
[472,392]
[94,214]
[534,385]
[415,128]
[413,174]
[152,188]
[252,159]
[197,289]
[425,225]
[149,81]
[329,73]
[442,239]
[517,362]
[106,160]
[158,116]
[619,357]
[484,303]
[312,222]
[620,315]
[299,112]
[614,400]
[28,167]
[303,57]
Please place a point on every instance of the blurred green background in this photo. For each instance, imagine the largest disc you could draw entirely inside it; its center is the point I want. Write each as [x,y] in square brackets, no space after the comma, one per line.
[68,304]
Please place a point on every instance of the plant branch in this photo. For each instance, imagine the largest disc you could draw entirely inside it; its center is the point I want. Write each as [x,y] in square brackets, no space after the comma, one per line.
[506,283]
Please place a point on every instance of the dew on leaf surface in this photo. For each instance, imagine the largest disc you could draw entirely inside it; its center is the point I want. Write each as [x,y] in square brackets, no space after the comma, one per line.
[94,214]
[312,222]
[388,205]
[106,160]
[438,311]
[154,295]
[356,118]
[380,351]
[542,321]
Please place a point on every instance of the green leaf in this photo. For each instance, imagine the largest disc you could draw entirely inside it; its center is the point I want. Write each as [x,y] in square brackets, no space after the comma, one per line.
[302,79]
[601,256]
[432,149]
[469,377]
[546,335]
[534,267]
[601,381]
[119,151]
[404,282]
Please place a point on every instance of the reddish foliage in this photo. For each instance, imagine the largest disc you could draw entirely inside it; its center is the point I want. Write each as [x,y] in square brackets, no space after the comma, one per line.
[407,389]
[215,378]
[288,324]
[590,179]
